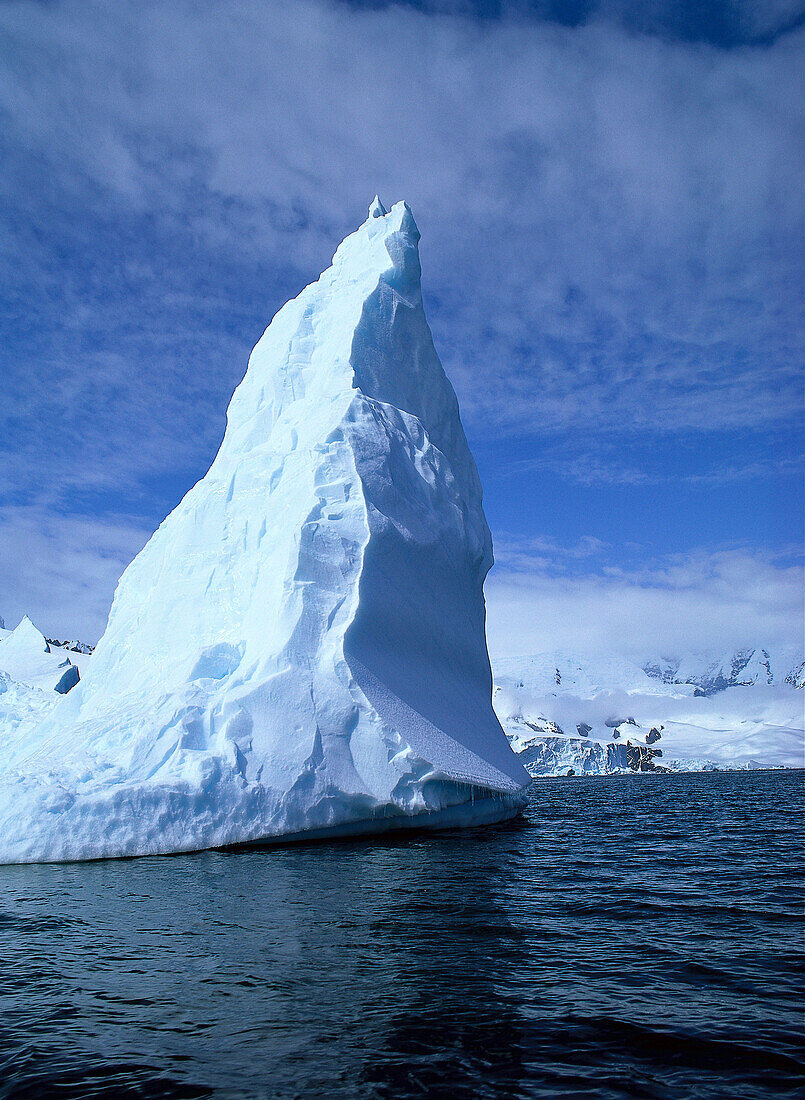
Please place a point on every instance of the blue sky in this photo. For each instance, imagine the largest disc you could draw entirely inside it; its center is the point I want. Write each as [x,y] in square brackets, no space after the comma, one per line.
[610,201]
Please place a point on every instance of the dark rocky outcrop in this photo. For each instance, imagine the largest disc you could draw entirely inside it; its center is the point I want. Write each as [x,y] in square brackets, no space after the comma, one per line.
[544,725]
[796,677]
[74,647]
[640,758]
[68,681]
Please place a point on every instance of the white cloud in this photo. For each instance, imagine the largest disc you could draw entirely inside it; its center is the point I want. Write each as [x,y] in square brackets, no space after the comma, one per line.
[610,220]
[758,18]
[611,247]
[62,571]
[607,469]
[705,600]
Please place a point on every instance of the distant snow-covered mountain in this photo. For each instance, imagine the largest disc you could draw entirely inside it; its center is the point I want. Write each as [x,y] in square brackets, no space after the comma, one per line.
[562,712]
[74,646]
[704,673]
[738,668]
[563,673]
[565,712]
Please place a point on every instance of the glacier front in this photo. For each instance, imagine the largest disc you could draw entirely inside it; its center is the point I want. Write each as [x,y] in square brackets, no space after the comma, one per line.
[300,648]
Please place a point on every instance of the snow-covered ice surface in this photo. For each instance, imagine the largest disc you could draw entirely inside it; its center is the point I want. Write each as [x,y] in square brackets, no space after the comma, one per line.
[301,645]
[567,712]
[21,707]
[33,677]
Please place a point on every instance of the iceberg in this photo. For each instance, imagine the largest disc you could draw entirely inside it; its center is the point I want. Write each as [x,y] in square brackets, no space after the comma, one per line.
[27,658]
[299,650]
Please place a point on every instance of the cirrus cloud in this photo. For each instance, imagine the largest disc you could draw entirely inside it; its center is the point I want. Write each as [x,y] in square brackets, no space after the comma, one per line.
[611,220]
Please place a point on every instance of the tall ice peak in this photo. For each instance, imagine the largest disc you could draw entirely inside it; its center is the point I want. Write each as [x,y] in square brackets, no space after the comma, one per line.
[377,209]
[300,647]
[26,633]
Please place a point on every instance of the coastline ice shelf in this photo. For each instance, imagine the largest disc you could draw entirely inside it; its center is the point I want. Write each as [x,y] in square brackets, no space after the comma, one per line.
[300,647]
[564,711]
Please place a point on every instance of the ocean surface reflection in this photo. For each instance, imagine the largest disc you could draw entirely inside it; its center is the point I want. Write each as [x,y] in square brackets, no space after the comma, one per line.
[634,936]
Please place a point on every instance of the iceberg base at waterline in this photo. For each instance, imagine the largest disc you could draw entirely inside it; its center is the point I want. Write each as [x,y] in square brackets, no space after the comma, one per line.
[217,811]
[120,826]
[300,648]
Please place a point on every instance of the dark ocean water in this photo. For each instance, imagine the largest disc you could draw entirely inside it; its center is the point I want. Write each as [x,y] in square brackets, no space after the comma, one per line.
[635,936]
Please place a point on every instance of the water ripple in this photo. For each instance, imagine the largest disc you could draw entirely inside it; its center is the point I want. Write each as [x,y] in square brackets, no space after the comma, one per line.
[632,936]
